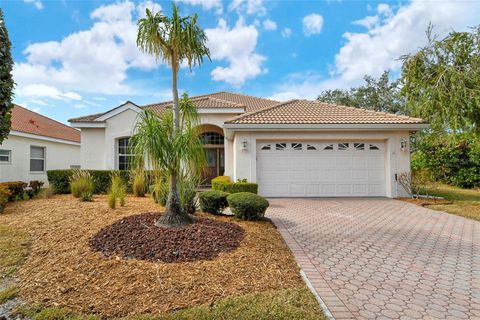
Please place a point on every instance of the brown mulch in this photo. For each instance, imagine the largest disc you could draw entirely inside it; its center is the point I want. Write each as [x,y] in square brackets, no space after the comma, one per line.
[137,237]
[62,269]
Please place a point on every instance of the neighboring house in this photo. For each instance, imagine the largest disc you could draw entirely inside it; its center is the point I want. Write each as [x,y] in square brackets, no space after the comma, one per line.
[37,144]
[297,148]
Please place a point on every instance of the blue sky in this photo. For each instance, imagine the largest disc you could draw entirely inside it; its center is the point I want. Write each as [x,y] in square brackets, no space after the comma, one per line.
[79,57]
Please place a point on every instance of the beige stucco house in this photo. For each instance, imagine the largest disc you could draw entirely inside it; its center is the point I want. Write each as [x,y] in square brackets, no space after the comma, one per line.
[297,148]
[36,144]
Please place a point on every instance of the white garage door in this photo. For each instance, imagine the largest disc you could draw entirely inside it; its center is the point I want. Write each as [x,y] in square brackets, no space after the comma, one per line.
[322,169]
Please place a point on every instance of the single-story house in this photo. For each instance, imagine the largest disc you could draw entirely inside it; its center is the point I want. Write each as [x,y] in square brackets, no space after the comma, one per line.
[297,148]
[37,144]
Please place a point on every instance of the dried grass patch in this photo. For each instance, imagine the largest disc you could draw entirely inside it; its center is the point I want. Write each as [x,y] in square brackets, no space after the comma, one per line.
[63,271]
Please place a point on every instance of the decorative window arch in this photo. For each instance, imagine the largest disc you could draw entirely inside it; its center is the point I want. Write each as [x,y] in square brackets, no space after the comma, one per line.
[373,147]
[310,147]
[210,137]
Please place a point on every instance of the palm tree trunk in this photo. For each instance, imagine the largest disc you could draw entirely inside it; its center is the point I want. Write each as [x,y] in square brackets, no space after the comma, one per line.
[174,215]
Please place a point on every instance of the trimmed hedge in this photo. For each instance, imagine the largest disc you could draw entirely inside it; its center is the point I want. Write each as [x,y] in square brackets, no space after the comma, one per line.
[223,183]
[60,179]
[247,206]
[213,201]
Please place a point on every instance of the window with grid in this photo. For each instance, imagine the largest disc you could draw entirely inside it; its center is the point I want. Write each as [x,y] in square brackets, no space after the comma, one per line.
[37,159]
[211,138]
[124,156]
[5,156]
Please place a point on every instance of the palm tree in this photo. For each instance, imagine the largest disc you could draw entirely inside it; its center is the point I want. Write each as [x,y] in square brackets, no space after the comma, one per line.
[174,40]
[170,152]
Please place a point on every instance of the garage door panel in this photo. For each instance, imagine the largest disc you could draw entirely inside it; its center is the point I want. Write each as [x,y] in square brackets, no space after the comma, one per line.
[297,189]
[331,169]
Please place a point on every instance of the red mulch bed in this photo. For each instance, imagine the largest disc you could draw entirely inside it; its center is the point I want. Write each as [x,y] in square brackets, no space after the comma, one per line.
[136,237]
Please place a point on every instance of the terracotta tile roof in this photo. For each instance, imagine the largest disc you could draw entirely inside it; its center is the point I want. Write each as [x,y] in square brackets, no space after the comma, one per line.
[27,121]
[213,100]
[315,112]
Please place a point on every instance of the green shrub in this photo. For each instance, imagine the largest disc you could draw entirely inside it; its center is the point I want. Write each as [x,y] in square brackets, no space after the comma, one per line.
[139,183]
[159,192]
[188,191]
[82,185]
[213,201]
[60,179]
[224,184]
[451,159]
[4,195]
[247,206]
[34,188]
[16,188]
[117,191]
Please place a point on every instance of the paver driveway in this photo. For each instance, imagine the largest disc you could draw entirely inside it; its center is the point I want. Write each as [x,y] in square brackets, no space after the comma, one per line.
[384,258]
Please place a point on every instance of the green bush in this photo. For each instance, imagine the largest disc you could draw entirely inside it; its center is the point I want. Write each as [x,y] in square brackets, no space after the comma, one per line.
[60,179]
[82,185]
[16,188]
[247,206]
[4,195]
[213,201]
[159,192]
[224,184]
[117,191]
[451,159]
[139,183]
[188,191]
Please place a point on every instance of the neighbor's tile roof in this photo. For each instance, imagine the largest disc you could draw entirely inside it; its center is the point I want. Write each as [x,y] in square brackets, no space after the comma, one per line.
[27,121]
[213,100]
[315,112]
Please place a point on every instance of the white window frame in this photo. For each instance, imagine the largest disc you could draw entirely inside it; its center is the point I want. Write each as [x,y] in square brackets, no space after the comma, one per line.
[9,161]
[117,146]
[44,159]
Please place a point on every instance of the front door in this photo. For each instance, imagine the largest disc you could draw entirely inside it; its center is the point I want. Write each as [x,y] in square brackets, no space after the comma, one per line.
[215,164]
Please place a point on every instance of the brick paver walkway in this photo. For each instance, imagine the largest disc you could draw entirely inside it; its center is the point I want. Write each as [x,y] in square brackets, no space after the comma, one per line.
[384,258]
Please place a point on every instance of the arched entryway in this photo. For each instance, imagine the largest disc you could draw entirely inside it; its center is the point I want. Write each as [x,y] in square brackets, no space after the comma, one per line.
[213,141]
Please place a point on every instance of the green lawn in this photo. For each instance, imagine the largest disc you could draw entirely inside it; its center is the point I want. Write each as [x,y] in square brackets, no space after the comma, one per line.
[466,202]
[291,304]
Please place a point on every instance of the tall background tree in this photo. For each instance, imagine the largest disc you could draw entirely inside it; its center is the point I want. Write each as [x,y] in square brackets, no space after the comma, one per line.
[441,82]
[6,80]
[380,94]
[174,40]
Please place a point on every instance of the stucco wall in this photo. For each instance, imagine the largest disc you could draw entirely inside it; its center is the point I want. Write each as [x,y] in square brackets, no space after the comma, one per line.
[92,152]
[99,145]
[396,161]
[58,156]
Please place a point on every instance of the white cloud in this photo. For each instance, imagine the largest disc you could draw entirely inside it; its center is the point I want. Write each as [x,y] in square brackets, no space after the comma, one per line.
[37,3]
[42,90]
[390,34]
[399,33]
[95,60]
[143,6]
[237,47]
[286,32]
[270,25]
[248,6]
[304,85]
[79,106]
[312,24]
[206,4]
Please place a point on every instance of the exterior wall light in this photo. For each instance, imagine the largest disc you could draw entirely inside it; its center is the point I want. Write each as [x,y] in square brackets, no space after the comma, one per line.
[403,144]
[244,145]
